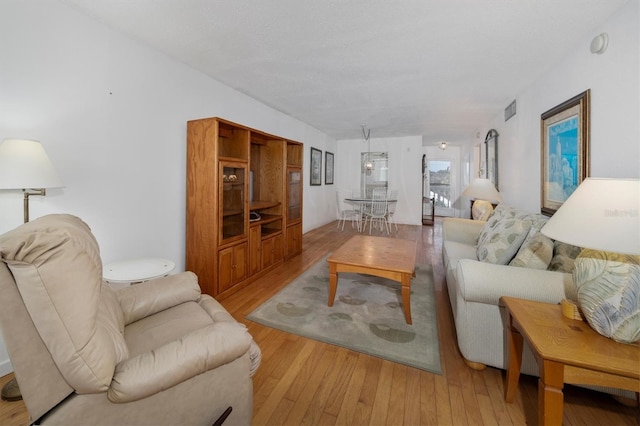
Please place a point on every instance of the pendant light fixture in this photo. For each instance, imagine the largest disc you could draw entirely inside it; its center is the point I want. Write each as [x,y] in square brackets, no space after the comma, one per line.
[366,136]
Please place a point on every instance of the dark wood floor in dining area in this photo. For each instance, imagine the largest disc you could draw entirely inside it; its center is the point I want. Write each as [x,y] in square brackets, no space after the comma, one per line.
[302,381]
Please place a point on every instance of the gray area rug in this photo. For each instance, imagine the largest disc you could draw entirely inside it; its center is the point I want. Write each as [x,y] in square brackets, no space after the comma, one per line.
[366,316]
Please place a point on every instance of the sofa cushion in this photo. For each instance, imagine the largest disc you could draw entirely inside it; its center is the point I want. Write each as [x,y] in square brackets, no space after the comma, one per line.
[454,251]
[502,240]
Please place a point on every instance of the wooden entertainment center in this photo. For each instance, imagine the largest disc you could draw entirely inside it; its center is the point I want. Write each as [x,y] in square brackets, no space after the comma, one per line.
[244,203]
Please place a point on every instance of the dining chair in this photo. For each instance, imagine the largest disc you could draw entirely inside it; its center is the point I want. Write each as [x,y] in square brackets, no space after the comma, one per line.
[377,210]
[345,212]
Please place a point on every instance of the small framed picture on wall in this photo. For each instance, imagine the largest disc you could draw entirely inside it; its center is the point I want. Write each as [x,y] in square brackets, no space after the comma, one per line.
[316,167]
[328,168]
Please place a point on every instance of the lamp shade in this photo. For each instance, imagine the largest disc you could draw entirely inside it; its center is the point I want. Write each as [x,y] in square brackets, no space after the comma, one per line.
[601,214]
[25,164]
[482,189]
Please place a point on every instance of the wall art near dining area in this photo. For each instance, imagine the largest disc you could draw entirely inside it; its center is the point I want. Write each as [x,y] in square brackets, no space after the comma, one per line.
[328,168]
[316,167]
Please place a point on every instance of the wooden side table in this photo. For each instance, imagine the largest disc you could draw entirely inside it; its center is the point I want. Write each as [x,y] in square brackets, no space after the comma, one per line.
[567,351]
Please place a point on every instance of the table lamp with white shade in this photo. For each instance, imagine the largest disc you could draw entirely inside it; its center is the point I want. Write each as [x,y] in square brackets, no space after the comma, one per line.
[602,216]
[482,194]
[25,165]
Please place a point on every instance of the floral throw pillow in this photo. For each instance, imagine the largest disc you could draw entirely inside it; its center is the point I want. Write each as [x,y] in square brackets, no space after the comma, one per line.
[502,240]
[536,253]
[609,293]
[564,256]
[493,221]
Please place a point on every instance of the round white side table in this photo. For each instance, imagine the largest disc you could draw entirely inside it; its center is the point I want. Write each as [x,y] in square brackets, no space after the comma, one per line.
[134,271]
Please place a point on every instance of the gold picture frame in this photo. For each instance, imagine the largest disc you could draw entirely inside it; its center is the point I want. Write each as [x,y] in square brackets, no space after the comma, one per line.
[565,139]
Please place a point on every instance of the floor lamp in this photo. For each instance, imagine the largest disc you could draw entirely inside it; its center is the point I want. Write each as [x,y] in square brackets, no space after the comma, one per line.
[24,165]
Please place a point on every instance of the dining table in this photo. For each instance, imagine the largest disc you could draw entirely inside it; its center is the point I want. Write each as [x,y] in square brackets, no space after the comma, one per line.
[362,203]
[358,201]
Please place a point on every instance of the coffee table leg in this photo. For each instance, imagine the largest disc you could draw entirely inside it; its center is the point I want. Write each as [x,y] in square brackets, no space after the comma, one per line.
[406,297]
[333,282]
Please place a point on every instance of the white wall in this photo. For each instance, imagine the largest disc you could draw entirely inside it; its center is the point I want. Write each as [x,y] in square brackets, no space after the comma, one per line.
[112,115]
[405,171]
[614,80]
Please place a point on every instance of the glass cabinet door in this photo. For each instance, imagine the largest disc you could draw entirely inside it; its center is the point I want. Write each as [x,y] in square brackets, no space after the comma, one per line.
[232,203]
[294,194]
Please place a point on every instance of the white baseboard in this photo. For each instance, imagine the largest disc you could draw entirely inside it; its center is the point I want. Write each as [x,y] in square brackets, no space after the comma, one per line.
[5,368]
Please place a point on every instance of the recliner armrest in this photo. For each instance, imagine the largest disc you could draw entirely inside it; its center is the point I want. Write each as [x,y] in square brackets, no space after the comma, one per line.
[141,300]
[195,353]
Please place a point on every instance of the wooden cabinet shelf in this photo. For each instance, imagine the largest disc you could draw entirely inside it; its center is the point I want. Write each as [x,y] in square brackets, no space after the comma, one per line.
[233,170]
[266,232]
[231,212]
[260,205]
[266,218]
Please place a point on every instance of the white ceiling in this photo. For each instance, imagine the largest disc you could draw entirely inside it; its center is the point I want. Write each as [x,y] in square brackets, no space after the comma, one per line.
[438,68]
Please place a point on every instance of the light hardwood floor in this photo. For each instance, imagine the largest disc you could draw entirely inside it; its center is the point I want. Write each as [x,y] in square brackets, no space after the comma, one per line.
[302,381]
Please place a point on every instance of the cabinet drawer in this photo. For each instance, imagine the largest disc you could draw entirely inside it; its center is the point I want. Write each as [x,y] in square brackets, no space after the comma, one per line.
[272,250]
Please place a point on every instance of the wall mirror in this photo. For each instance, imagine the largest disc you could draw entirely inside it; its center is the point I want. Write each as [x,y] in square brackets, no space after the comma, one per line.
[491,156]
[374,171]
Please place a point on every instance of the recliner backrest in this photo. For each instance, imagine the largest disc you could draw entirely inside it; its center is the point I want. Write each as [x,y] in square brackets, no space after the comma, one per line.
[41,384]
[55,262]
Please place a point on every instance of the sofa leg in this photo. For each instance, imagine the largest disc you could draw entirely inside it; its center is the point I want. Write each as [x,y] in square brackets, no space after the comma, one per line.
[475,365]
[628,402]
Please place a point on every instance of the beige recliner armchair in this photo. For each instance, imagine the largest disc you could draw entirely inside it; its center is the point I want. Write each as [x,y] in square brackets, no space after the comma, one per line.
[156,353]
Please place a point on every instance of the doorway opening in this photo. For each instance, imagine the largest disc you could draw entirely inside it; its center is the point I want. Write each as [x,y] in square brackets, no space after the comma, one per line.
[439,188]
[428,207]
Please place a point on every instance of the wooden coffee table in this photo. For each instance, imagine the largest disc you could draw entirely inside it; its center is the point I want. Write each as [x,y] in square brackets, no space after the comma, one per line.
[390,258]
[567,351]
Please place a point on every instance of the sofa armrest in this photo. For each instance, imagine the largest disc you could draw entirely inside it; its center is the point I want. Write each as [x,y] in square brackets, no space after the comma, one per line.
[195,353]
[141,300]
[461,230]
[483,282]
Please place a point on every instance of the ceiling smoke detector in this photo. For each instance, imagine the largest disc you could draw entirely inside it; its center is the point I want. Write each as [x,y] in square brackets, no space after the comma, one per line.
[599,43]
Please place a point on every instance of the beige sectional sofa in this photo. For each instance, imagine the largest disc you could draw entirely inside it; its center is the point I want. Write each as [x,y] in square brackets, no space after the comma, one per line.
[505,256]
[475,286]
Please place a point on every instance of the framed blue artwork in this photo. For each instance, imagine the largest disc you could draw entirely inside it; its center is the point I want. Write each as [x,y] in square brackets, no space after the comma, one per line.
[565,151]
